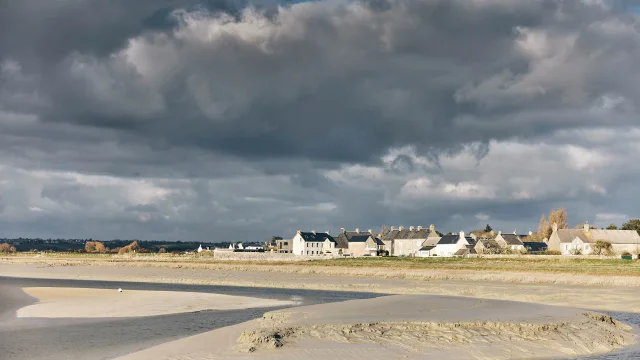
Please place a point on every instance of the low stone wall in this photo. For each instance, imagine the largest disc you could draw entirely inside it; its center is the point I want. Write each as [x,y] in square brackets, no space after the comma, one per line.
[256,256]
[558,257]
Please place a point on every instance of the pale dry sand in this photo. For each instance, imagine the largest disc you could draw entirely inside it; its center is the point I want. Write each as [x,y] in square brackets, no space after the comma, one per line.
[405,327]
[109,303]
[594,297]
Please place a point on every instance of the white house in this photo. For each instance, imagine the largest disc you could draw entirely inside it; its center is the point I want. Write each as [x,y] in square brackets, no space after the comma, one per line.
[313,243]
[449,245]
[581,241]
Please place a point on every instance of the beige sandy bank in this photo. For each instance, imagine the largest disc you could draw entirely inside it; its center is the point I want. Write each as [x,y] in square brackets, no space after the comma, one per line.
[101,303]
[405,327]
[593,297]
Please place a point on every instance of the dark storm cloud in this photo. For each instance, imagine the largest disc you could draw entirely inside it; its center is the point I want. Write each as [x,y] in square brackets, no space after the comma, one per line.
[325,81]
[186,118]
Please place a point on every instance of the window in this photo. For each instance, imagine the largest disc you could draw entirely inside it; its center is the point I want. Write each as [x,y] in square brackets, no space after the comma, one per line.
[586,247]
[566,247]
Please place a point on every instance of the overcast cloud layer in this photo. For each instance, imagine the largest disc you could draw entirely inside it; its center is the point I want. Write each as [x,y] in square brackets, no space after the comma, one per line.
[228,120]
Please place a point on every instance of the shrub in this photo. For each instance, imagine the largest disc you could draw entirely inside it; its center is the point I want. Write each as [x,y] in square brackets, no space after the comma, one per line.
[552,252]
[602,247]
[133,247]
[162,250]
[95,247]
[6,248]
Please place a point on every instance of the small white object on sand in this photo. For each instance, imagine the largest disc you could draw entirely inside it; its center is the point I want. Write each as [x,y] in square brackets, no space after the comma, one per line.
[119,290]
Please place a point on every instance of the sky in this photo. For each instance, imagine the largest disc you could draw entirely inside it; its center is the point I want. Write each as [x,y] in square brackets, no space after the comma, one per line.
[223,120]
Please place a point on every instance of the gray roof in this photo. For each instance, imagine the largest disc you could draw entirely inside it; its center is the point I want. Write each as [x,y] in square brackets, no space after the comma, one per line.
[535,246]
[344,238]
[471,240]
[364,238]
[427,248]
[409,234]
[511,239]
[319,237]
[449,239]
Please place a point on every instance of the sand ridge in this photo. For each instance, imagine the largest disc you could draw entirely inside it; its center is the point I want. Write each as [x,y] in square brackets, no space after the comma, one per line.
[406,327]
[61,302]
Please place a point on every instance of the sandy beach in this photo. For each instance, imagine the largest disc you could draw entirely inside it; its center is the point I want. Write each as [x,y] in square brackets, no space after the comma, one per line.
[623,298]
[108,303]
[434,319]
[406,327]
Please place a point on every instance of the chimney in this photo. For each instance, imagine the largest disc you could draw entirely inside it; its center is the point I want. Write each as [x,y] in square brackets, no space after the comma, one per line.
[358,230]
[432,228]
[328,232]
[411,228]
[555,227]
[461,234]
[341,230]
[499,232]
[393,228]
[586,226]
[370,231]
[419,227]
[401,228]
[313,231]
[299,231]
[530,233]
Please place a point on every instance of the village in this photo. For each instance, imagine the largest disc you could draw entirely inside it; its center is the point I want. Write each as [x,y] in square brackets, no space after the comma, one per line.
[428,242]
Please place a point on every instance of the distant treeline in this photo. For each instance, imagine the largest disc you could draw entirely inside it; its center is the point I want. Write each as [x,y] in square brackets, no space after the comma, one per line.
[78,245]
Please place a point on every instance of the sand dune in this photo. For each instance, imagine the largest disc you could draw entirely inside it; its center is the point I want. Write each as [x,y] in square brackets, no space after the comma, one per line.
[406,327]
[101,303]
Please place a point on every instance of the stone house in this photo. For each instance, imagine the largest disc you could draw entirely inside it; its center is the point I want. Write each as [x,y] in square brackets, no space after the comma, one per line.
[509,241]
[574,241]
[343,238]
[408,242]
[313,243]
[284,246]
[365,245]
[487,246]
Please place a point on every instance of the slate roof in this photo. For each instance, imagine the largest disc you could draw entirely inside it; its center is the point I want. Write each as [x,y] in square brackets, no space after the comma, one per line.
[364,238]
[535,246]
[317,237]
[407,234]
[344,238]
[449,239]
[427,248]
[472,249]
[511,239]
[471,240]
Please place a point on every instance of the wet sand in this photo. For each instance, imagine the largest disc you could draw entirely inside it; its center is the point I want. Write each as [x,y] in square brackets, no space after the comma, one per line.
[406,327]
[56,302]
